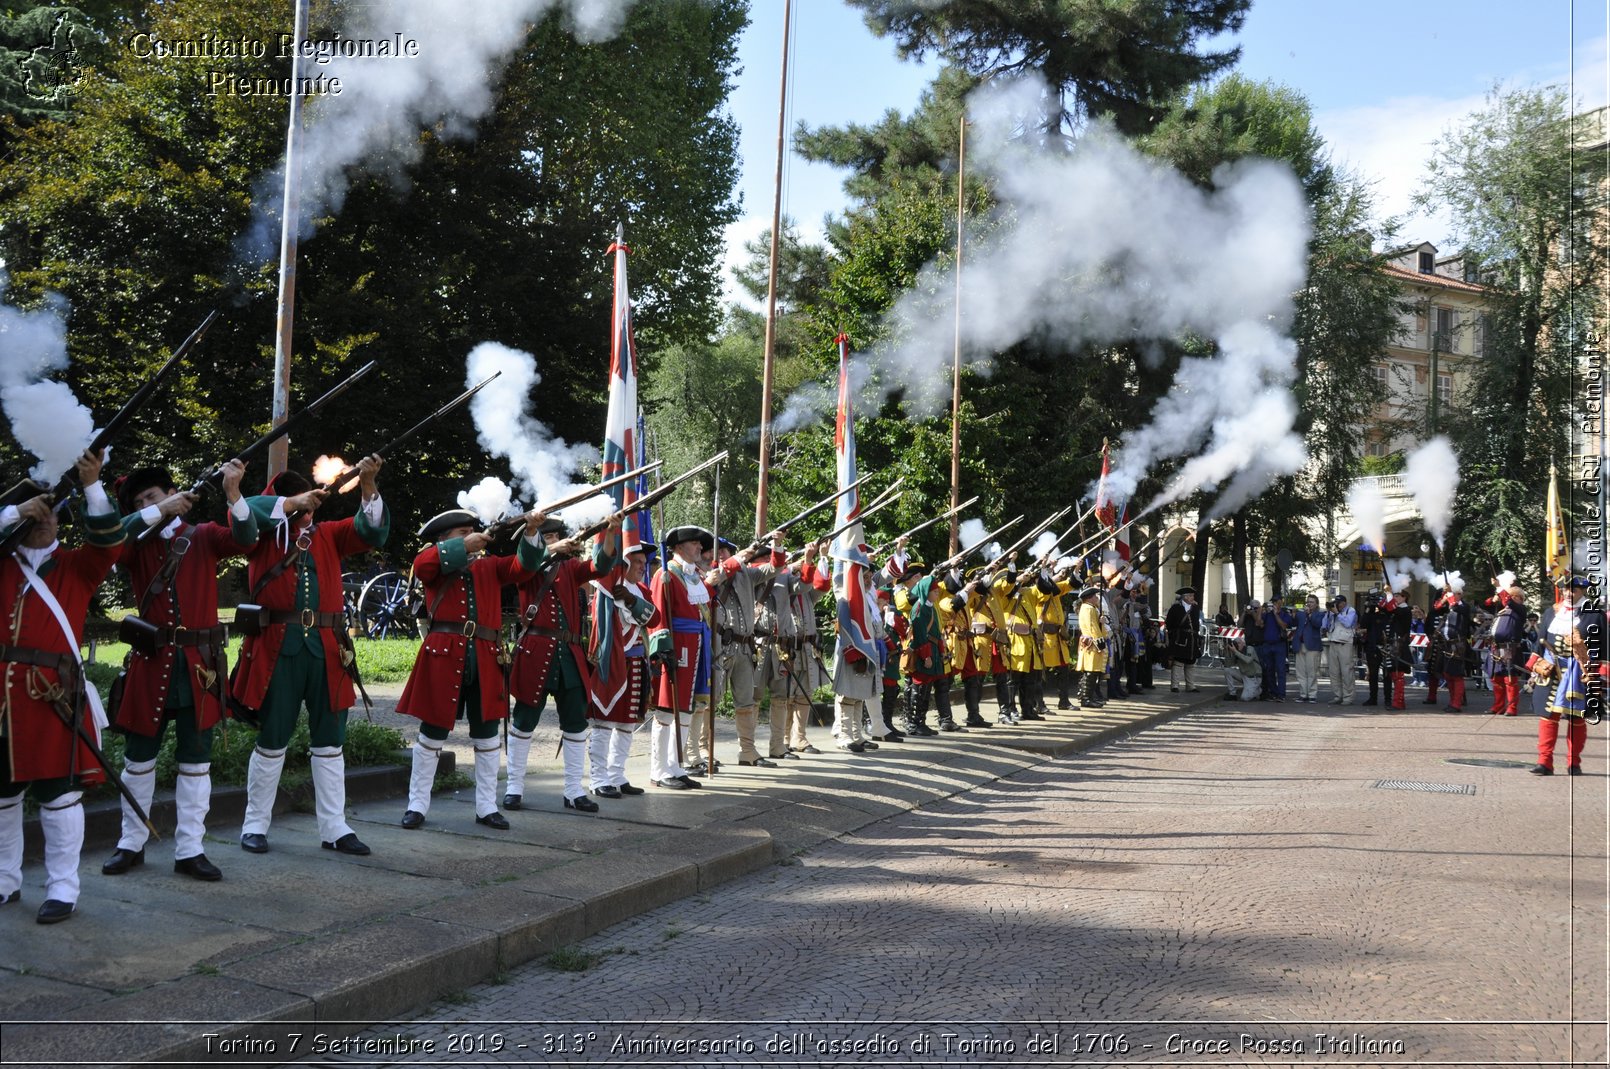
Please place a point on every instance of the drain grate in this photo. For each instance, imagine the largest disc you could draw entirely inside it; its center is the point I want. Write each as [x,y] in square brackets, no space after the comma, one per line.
[1429,788]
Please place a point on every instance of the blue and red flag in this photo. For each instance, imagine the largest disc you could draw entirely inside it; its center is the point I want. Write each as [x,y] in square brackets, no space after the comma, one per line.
[851,566]
[621,441]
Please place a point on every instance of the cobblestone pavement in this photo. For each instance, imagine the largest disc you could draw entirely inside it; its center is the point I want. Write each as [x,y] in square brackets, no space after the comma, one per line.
[1226,889]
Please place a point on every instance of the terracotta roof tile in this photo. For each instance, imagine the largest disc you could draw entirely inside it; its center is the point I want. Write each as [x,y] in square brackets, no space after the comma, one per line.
[1435,280]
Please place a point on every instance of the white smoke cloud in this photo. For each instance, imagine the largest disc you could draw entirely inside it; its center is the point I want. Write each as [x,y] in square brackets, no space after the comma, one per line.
[542,463]
[1043,545]
[1102,244]
[1506,579]
[448,84]
[972,532]
[490,499]
[1364,501]
[1431,475]
[46,418]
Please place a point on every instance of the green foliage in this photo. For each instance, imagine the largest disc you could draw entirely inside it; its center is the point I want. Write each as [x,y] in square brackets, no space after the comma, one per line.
[1121,59]
[1528,205]
[133,209]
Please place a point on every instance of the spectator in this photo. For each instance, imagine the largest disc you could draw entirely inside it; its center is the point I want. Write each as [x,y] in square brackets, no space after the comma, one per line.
[1223,618]
[1277,625]
[1310,643]
[1339,627]
[1243,673]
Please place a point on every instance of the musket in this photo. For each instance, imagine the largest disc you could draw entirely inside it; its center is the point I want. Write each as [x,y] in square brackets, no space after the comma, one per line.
[924,525]
[882,502]
[970,550]
[715,555]
[812,510]
[75,724]
[113,429]
[461,399]
[654,496]
[215,476]
[1006,554]
[1074,526]
[504,526]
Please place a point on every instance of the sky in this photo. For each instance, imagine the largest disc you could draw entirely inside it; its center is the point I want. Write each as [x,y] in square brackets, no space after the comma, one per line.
[1384,77]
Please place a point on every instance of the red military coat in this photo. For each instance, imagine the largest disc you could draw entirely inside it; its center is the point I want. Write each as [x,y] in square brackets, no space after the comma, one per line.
[670,596]
[328,544]
[145,690]
[432,692]
[534,655]
[39,745]
[620,697]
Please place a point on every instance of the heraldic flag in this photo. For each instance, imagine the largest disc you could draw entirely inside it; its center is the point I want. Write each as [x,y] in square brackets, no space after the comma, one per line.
[621,450]
[1556,547]
[850,560]
[1110,509]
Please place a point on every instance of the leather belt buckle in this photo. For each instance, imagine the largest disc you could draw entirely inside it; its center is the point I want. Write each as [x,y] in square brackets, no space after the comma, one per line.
[309,618]
[469,628]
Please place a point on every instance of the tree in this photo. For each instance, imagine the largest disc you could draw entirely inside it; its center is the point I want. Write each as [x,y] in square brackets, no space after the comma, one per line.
[1121,60]
[132,211]
[1529,209]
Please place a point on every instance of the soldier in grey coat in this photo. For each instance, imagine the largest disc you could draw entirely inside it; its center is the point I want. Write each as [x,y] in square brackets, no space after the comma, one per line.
[737,581]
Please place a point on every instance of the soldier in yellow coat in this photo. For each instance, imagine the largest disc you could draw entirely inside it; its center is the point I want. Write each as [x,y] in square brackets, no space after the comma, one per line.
[996,602]
[1053,628]
[1093,636]
[1026,659]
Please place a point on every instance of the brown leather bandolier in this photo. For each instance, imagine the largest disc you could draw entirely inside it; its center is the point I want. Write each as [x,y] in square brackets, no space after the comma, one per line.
[61,695]
[558,633]
[467,628]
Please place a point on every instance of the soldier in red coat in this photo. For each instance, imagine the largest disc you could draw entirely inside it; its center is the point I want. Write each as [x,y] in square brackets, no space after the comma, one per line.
[680,644]
[550,657]
[458,672]
[45,592]
[176,673]
[620,689]
[297,650]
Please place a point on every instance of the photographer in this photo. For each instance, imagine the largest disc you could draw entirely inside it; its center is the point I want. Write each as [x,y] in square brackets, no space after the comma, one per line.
[1340,626]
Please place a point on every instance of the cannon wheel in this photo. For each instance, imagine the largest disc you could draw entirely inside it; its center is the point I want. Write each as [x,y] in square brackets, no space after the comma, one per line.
[383,607]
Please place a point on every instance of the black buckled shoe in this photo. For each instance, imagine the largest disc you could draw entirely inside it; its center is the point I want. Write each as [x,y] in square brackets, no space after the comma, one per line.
[628,789]
[1573,770]
[608,790]
[198,868]
[977,722]
[759,762]
[673,784]
[54,911]
[500,822]
[950,725]
[689,782]
[852,747]
[868,744]
[412,819]
[1541,770]
[582,804]
[254,842]
[511,801]
[808,748]
[894,736]
[12,898]
[122,860]
[1031,716]
[348,844]
[698,768]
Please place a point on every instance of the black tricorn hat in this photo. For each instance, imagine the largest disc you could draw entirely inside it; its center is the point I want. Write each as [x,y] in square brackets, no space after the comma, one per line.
[731,546]
[914,570]
[1089,592]
[1184,590]
[690,533]
[138,482]
[552,525]
[443,522]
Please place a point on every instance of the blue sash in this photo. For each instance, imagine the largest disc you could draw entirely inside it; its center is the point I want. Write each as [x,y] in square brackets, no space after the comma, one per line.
[701,670]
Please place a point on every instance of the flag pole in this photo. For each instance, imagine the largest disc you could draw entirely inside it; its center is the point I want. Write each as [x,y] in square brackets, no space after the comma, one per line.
[956,353]
[290,221]
[761,499]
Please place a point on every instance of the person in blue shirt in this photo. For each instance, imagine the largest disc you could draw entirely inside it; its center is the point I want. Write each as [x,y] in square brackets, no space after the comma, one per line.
[1277,626]
[1310,648]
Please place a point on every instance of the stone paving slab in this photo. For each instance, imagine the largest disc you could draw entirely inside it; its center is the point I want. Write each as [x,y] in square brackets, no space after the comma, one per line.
[330,937]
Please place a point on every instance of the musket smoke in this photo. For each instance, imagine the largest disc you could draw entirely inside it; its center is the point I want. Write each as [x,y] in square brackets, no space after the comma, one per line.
[46,418]
[541,462]
[1364,501]
[1101,244]
[490,499]
[1431,476]
[447,82]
